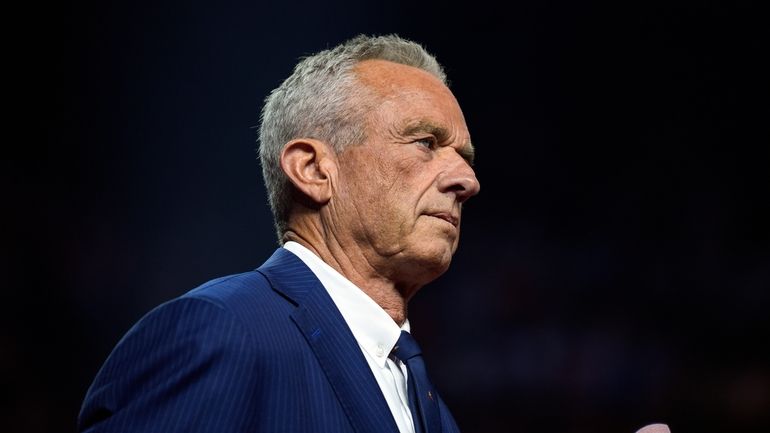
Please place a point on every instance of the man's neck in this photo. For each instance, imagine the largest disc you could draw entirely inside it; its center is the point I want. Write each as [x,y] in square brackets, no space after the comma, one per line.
[351,263]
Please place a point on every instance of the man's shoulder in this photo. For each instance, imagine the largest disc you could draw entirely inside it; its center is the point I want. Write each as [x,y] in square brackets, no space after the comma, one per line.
[231,290]
[248,297]
[226,299]
[219,311]
[244,304]
[220,337]
[266,284]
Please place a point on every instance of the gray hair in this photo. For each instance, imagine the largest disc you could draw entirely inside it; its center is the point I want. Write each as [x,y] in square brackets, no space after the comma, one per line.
[323,99]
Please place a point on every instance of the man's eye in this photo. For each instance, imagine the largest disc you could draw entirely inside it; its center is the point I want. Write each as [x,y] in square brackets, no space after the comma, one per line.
[427,142]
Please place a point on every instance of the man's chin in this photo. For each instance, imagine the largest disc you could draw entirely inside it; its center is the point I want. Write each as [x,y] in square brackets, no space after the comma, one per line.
[429,263]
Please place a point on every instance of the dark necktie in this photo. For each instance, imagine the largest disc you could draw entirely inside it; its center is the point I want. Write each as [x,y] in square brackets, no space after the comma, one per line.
[423,399]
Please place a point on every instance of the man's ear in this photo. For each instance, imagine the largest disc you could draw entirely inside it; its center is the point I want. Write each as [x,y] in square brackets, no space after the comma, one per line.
[309,164]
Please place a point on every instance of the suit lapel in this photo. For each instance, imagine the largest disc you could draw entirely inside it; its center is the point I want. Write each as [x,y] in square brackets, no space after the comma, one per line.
[330,338]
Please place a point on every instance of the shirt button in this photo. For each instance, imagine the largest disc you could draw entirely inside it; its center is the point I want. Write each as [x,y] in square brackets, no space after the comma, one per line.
[380,350]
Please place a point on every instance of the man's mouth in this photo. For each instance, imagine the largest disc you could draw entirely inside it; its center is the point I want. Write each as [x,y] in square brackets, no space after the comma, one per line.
[446,216]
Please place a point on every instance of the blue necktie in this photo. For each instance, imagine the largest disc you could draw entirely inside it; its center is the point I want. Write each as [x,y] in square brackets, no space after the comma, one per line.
[423,399]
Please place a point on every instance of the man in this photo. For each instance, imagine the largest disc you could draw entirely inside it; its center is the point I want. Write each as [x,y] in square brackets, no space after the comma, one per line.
[367,162]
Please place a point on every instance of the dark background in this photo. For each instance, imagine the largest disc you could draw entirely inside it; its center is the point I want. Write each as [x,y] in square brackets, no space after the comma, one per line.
[614,271]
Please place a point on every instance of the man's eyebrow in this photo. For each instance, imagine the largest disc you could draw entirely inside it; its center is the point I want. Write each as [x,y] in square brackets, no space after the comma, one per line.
[468,152]
[442,134]
[426,126]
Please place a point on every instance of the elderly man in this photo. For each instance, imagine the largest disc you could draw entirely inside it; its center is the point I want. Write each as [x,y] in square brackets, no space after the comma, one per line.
[367,161]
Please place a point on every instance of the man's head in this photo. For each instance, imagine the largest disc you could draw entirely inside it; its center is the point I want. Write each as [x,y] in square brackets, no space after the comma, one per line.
[323,99]
[368,139]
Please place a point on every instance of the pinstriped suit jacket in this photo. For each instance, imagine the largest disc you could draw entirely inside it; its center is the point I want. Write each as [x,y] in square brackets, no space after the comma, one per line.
[262,351]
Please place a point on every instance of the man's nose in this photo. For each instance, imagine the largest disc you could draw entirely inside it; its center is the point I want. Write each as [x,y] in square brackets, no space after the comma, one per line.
[460,179]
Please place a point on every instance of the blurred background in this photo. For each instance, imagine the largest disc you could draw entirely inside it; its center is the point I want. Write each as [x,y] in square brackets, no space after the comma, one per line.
[613,272]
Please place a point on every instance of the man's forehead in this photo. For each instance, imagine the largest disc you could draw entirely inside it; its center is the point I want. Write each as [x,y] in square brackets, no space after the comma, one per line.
[384,77]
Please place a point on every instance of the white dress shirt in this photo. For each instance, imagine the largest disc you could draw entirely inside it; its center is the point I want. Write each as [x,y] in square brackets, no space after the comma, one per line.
[374,330]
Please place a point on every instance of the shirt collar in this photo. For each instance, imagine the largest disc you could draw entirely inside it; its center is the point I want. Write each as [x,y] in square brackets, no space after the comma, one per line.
[374,330]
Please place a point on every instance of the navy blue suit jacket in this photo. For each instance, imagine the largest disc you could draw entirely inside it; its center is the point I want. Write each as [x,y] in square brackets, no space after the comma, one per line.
[262,351]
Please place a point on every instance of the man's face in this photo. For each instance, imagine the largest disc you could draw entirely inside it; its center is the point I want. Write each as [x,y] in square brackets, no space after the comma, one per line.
[401,191]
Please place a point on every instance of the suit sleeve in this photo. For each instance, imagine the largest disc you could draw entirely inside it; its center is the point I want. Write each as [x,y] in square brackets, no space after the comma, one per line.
[189,365]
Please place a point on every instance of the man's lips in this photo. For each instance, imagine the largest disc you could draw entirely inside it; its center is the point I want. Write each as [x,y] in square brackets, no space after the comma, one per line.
[446,216]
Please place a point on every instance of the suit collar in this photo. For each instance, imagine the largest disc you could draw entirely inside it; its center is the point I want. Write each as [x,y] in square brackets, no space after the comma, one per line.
[289,276]
[330,338]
